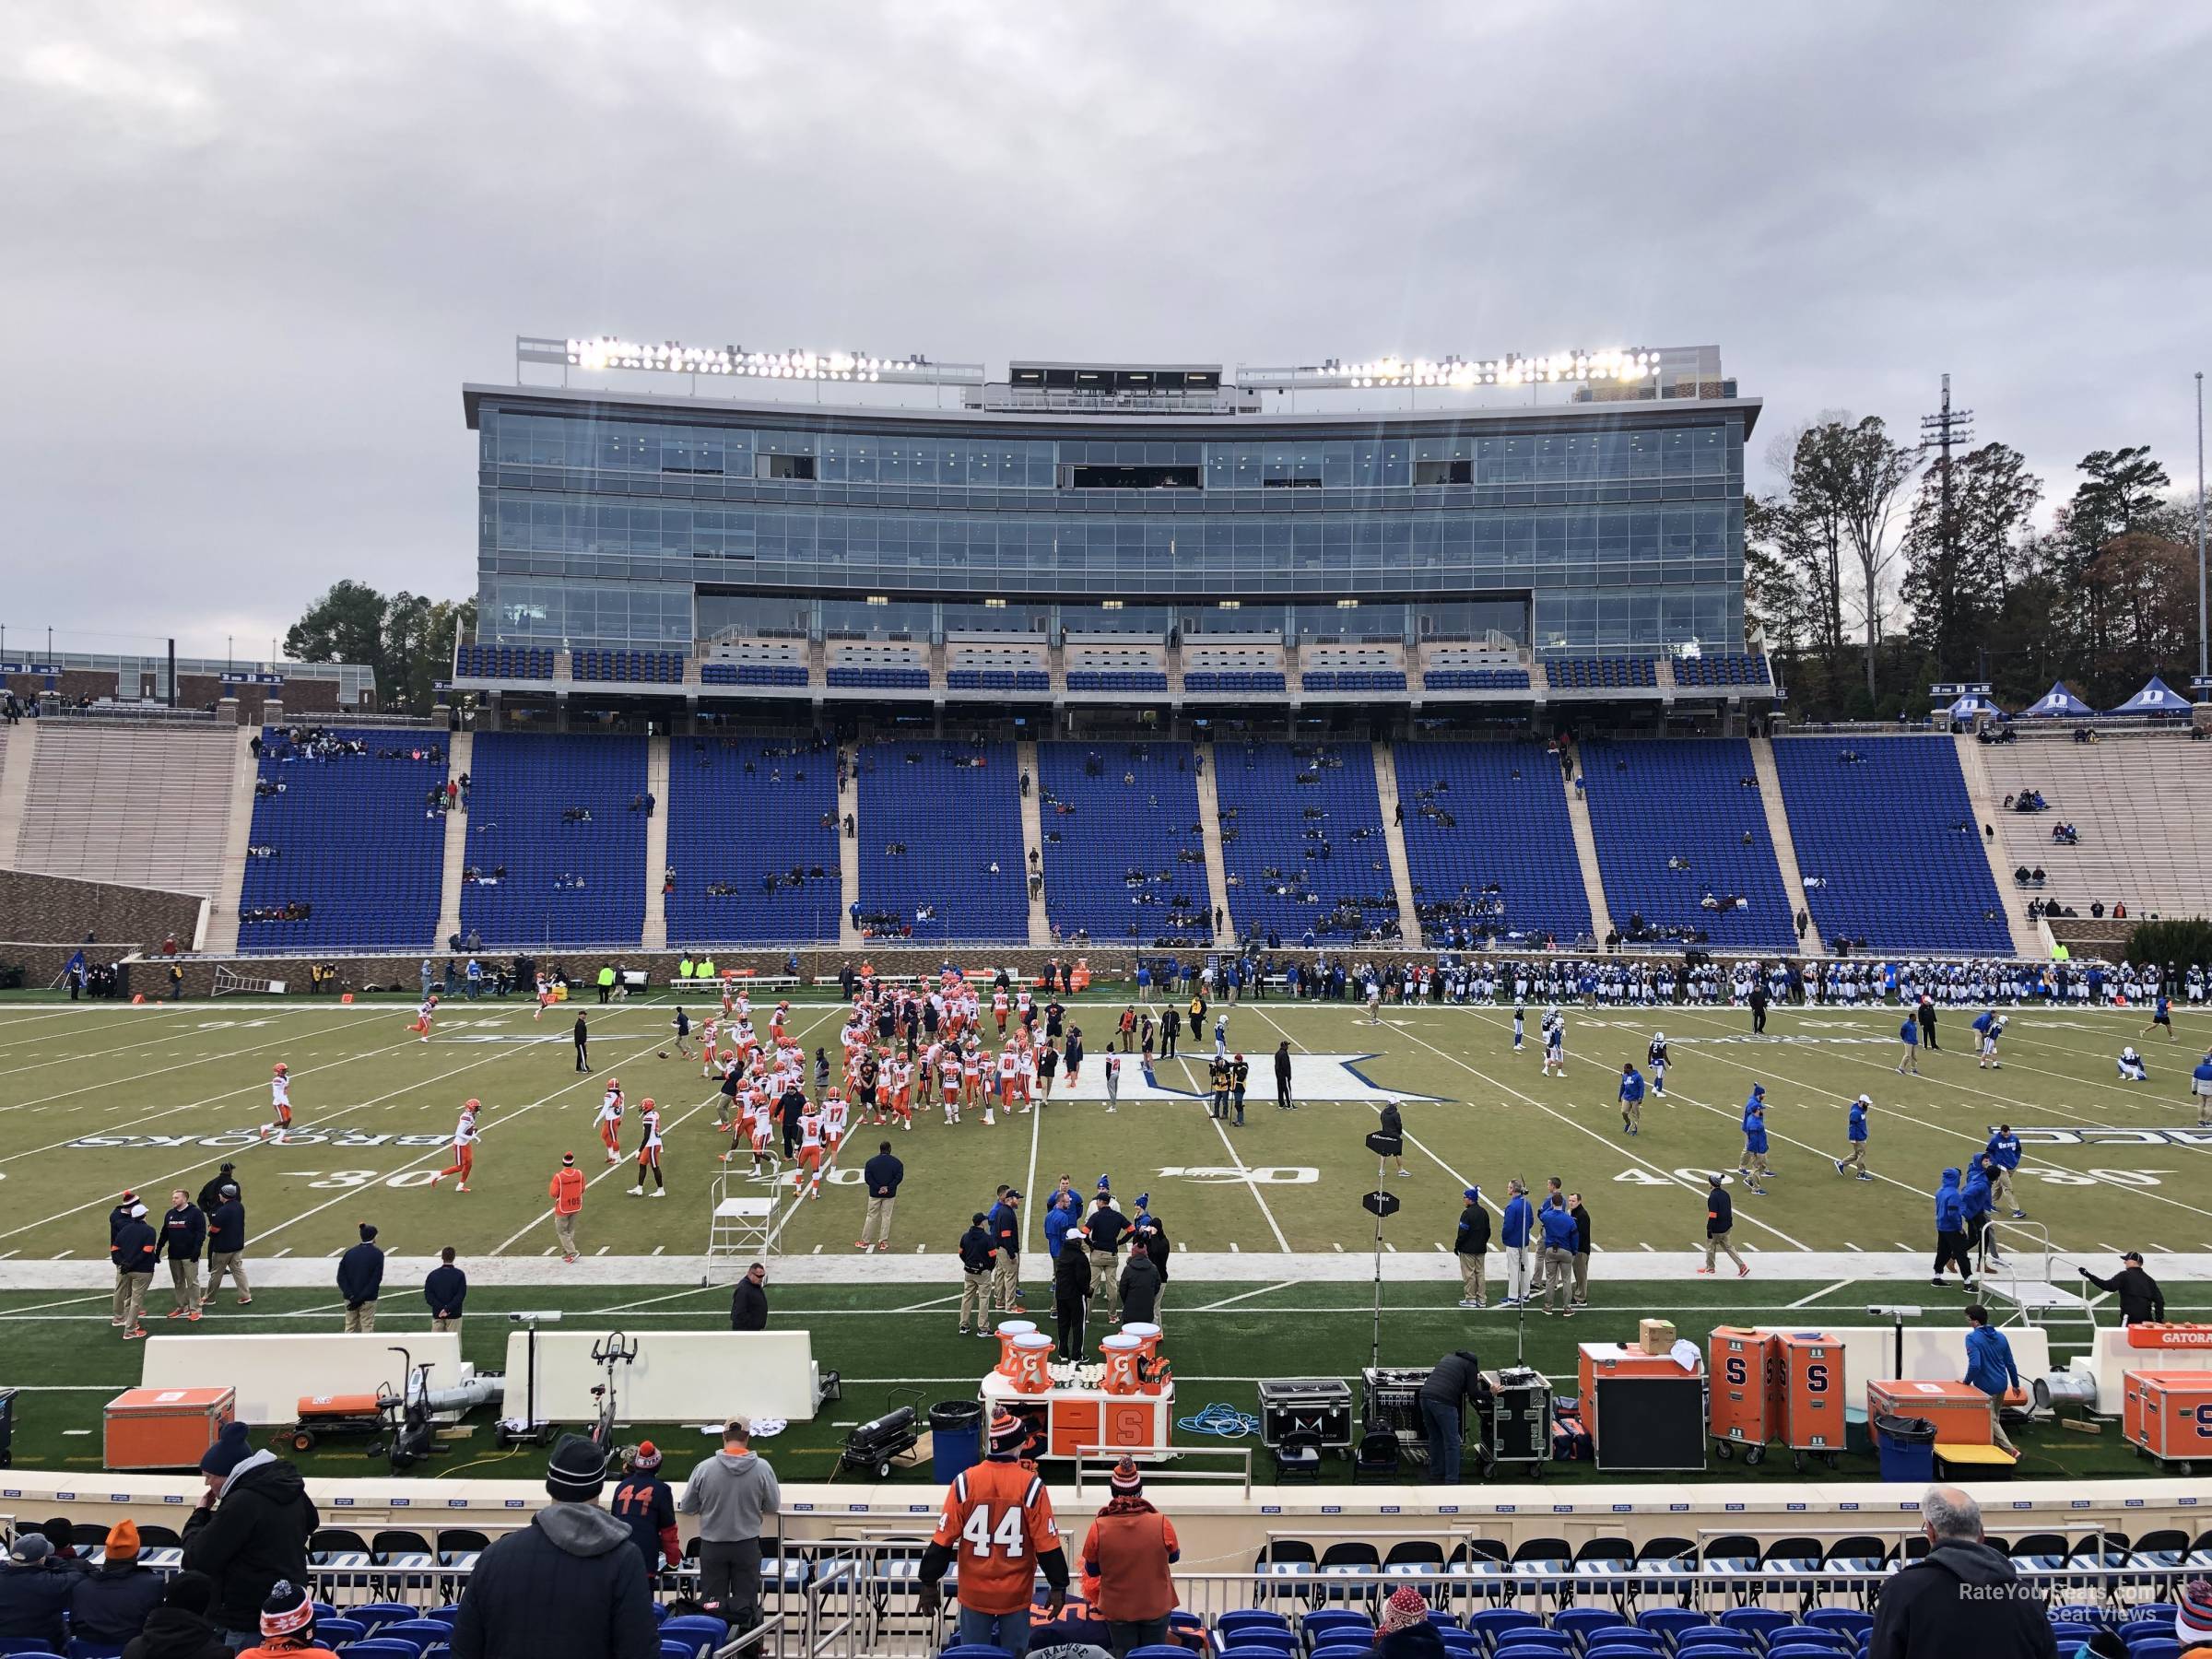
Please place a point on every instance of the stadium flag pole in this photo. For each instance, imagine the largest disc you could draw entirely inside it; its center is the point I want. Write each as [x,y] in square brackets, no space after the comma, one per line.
[2204,669]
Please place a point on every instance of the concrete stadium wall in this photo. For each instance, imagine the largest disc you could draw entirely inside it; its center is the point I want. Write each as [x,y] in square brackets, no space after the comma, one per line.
[60,910]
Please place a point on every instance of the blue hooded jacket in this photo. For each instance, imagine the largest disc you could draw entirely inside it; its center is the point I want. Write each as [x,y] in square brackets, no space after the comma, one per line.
[1632,1085]
[1909,1032]
[1057,1220]
[1758,1100]
[2005,1149]
[1989,1364]
[1984,1020]
[1973,1191]
[1755,1127]
[1519,1221]
[1950,1215]
[1559,1230]
[1858,1120]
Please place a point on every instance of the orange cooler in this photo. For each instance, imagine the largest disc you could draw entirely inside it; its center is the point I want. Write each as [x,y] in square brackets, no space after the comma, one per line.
[1958,1410]
[166,1428]
[1603,1360]
[2169,1414]
[1809,1383]
[1741,1400]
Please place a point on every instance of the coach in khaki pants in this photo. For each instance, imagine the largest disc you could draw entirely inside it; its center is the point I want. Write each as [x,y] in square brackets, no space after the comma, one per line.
[566,1190]
[183,1234]
[361,1277]
[134,1248]
[882,1175]
[227,1246]
[1720,1221]
[977,1253]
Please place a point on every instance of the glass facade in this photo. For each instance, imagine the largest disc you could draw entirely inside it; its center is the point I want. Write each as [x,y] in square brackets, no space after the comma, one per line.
[1602,528]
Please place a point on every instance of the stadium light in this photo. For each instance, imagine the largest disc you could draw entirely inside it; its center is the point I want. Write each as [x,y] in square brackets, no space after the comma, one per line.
[1457,373]
[672,357]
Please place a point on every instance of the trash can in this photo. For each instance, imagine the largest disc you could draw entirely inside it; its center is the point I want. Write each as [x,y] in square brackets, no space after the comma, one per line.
[956,1437]
[1908,1448]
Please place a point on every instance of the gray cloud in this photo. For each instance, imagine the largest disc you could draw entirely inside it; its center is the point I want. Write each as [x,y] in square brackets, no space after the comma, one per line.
[252,250]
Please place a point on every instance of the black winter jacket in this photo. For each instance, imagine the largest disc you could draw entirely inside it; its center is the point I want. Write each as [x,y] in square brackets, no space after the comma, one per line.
[183,1234]
[570,1585]
[109,1604]
[1474,1236]
[748,1307]
[174,1633]
[227,1231]
[1924,1612]
[1071,1278]
[1140,1289]
[256,1533]
[32,1600]
[1453,1380]
[361,1274]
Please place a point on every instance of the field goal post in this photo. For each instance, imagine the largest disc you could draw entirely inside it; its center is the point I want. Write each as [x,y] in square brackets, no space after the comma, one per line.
[740,1225]
[229,982]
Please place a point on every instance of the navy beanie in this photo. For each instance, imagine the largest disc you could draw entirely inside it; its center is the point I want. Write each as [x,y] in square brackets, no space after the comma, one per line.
[576,1470]
[230,1449]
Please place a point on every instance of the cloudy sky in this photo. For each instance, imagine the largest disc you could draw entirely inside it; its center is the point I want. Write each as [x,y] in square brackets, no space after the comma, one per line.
[252,250]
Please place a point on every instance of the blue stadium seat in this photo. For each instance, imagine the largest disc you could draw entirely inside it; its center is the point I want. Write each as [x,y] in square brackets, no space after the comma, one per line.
[1110,828]
[504,662]
[1353,679]
[1601,672]
[354,839]
[1686,798]
[1892,842]
[1504,831]
[628,667]
[1281,807]
[955,809]
[1116,679]
[522,783]
[697,1633]
[881,679]
[739,811]
[1722,670]
[1229,679]
[1476,679]
[752,674]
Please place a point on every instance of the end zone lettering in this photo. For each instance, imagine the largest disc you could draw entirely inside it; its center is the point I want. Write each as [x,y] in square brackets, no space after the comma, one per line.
[2130,1136]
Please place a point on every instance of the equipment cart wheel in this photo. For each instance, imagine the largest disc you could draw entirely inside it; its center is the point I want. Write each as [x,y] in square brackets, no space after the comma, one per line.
[1755,1455]
[303,1439]
[1723,1450]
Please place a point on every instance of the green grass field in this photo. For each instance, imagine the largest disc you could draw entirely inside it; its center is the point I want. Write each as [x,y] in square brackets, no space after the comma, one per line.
[1271,1275]
[100,1098]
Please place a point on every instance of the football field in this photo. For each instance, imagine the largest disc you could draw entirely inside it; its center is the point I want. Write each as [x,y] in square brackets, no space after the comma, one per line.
[101,1096]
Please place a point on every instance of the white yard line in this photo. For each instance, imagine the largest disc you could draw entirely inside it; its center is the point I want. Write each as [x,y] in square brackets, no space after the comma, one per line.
[1237,1159]
[1807,1302]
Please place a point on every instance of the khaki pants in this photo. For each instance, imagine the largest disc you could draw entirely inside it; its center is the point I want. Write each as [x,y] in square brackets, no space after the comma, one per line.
[1106,1284]
[2000,1190]
[185,1282]
[1558,1276]
[975,1297]
[1996,1429]
[233,1261]
[130,1299]
[1471,1276]
[1718,1243]
[1005,1282]
[876,1228]
[1581,1277]
[564,1228]
[445,1322]
[361,1318]
[1756,1162]
[1855,1159]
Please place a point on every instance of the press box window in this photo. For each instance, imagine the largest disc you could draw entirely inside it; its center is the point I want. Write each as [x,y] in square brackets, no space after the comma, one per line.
[783,467]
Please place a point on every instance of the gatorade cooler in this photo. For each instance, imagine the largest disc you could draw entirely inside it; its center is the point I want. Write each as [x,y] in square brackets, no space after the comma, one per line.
[1147,1334]
[1125,1357]
[1740,1404]
[1007,1331]
[166,1428]
[1958,1410]
[1032,1353]
[2168,1415]
[1809,1383]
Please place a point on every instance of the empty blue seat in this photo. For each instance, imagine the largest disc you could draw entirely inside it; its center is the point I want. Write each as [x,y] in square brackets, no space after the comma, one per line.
[1124,860]
[742,815]
[568,883]
[955,810]
[1488,843]
[1283,808]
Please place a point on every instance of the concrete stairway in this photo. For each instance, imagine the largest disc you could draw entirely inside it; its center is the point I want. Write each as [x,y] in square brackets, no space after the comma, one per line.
[1032,844]
[1394,836]
[460,757]
[238,835]
[19,749]
[1585,853]
[1786,848]
[2027,937]
[1217,871]
[848,852]
[657,842]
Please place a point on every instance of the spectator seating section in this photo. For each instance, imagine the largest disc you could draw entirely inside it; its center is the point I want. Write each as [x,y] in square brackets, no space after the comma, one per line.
[1726,668]
[355,838]
[1887,845]
[1265,790]
[2158,863]
[520,786]
[957,809]
[752,674]
[504,662]
[1111,827]
[140,806]
[880,668]
[1476,679]
[1354,669]
[1117,679]
[738,811]
[1601,674]
[996,668]
[1510,830]
[1686,797]
[629,668]
[1225,668]
[1115,667]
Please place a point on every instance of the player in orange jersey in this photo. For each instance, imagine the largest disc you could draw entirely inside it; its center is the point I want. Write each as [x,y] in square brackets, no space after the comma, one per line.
[546,999]
[280,1103]
[464,1148]
[610,1120]
[997,1525]
[649,1151]
[424,1014]
[836,1117]
[807,1180]
[999,1010]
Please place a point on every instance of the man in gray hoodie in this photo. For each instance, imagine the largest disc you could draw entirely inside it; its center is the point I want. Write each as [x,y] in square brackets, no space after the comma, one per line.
[730,1492]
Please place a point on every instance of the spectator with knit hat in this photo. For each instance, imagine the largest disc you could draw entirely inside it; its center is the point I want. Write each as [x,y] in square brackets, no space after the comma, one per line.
[2192,1619]
[569,1586]
[646,1504]
[288,1626]
[251,1529]
[1405,1630]
[109,1605]
[997,1524]
[178,1626]
[1129,1551]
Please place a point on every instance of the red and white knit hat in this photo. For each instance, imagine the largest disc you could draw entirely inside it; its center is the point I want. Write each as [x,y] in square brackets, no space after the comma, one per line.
[287,1611]
[2192,1612]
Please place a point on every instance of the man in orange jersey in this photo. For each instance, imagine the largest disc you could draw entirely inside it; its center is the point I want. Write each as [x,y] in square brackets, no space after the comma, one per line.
[280,1102]
[464,1146]
[566,1193]
[997,1524]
